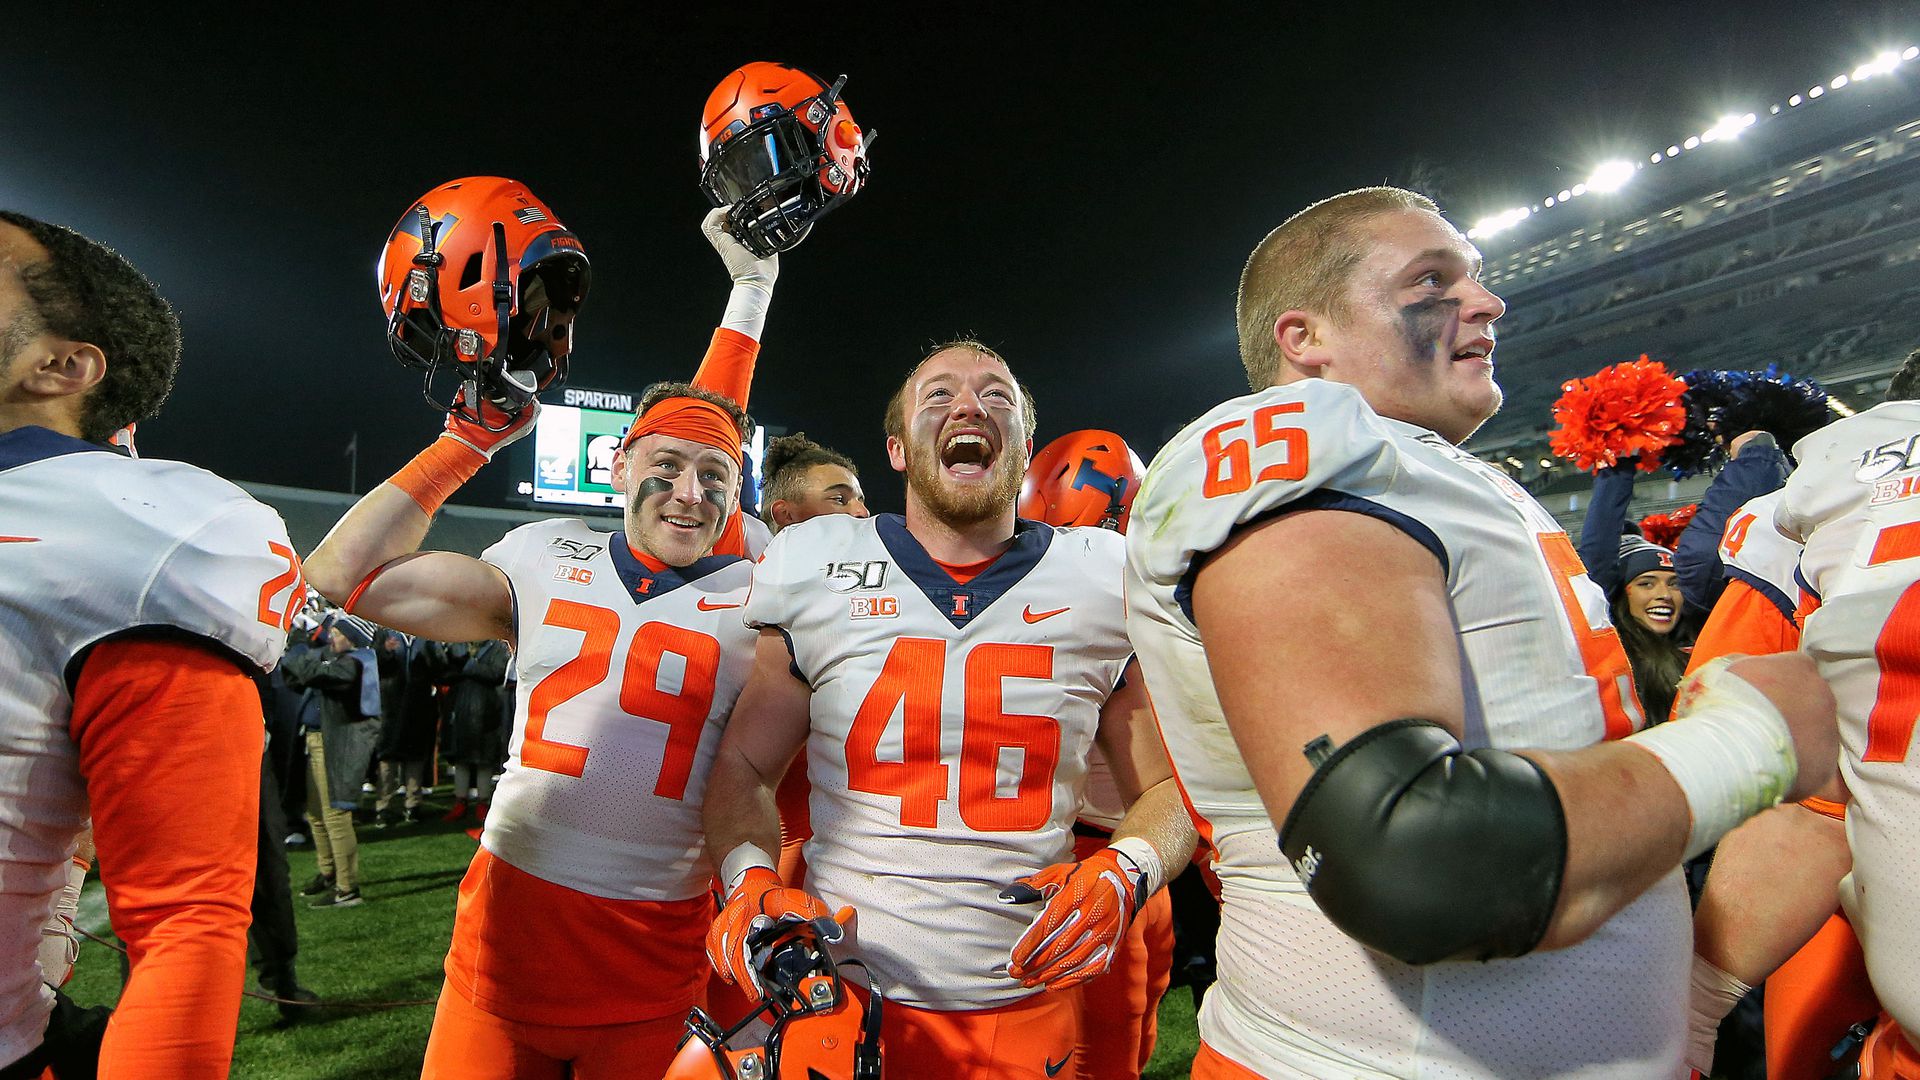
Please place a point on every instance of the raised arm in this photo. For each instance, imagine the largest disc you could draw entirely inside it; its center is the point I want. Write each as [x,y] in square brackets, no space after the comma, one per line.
[371,563]
[1303,613]
[1606,517]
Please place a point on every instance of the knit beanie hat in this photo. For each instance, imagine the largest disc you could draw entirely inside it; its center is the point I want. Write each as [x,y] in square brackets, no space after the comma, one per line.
[1639,556]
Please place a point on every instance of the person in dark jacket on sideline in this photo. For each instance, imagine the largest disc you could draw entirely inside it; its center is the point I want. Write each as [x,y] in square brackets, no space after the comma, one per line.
[346,677]
[1756,465]
[475,723]
[408,719]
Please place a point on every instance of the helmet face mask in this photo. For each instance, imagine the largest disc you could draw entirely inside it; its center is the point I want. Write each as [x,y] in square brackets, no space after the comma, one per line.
[481,285]
[780,149]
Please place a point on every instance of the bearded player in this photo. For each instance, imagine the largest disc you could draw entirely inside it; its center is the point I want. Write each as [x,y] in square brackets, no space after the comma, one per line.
[1351,626]
[1852,503]
[947,675]
[577,937]
[138,598]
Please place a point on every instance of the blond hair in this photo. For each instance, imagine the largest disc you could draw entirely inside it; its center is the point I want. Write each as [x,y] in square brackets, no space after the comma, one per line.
[1305,265]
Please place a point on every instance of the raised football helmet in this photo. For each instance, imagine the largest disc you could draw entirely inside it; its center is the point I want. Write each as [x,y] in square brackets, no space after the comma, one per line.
[780,150]
[1082,478]
[481,282]
[820,1030]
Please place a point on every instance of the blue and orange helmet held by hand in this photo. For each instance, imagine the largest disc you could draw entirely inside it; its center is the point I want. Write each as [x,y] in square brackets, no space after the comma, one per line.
[1082,478]
[780,149]
[481,283]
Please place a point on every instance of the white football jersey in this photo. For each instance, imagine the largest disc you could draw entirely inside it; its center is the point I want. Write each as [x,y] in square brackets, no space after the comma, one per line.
[93,544]
[1541,667]
[950,731]
[1855,500]
[1754,552]
[626,679]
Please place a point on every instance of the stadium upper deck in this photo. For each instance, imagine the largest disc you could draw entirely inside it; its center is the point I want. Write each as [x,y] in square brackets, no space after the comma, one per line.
[1796,242]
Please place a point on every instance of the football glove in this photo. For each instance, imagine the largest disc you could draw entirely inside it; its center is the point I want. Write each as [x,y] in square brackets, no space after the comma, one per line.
[757,901]
[1089,905]
[753,277]
[495,430]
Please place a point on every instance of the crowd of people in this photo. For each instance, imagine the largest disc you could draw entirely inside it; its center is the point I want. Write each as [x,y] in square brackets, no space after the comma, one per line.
[1442,774]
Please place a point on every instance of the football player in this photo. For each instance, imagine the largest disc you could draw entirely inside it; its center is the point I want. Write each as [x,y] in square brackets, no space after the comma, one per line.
[137,599]
[1090,478]
[578,929]
[1351,626]
[1852,503]
[805,480]
[947,674]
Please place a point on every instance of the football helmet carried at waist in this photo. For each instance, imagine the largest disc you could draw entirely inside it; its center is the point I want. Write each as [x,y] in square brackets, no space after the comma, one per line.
[820,1029]
[481,282]
[780,149]
[1082,478]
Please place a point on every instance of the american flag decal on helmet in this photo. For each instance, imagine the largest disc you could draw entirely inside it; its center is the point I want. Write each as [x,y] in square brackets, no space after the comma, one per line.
[530,215]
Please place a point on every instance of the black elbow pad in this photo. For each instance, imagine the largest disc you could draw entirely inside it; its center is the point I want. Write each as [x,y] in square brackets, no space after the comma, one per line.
[1426,852]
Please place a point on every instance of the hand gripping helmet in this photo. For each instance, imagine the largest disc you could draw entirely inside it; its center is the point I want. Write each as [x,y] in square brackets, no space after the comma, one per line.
[481,282]
[820,1029]
[1082,478]
[778,146]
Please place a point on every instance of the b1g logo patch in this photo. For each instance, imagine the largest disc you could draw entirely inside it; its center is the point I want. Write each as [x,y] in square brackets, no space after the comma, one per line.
[579,575]
[876,607]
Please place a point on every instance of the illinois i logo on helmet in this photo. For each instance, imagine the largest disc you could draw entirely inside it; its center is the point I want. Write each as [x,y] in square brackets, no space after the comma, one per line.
[481,284]
[781,150]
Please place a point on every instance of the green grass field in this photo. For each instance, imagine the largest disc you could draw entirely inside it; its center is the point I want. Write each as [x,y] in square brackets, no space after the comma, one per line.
[390,949]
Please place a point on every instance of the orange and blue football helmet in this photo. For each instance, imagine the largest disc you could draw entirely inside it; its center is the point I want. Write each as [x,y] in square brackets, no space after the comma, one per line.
[481,282]
[1082,478]
[810,1025]
[780,149]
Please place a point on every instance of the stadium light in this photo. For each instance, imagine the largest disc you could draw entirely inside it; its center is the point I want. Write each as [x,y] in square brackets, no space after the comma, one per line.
[1500,222]
[1692,143]
[1839,83]
[1910,53]
[1879,65]
[1611,176]
[1816,91]
[1794,101]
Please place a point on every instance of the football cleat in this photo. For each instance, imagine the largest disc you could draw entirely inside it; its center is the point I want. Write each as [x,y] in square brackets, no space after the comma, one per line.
[1082,478]
[810,1026]
[481,283]
[780,149]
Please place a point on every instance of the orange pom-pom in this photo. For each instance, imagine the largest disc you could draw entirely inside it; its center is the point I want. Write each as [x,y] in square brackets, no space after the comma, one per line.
[1665,529]
[1619,412]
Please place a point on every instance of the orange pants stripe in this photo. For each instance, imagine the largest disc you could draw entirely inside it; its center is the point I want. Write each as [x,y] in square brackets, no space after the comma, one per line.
[1032,1039]
[469,1044]
[1210,1064]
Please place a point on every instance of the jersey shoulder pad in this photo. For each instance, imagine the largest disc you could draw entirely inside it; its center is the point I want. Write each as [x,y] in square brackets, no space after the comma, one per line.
[1283,448]
[561,537]
[798,556]
[1839,464]
[229,572]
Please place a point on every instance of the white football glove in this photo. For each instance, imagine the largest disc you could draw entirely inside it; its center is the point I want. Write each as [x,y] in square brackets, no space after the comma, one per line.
[752,277]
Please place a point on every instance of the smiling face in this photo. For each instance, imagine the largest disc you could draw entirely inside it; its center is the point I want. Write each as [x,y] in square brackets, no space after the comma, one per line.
[964,439]
[1416,335]
[825,489]
[679,493]
[1653,600]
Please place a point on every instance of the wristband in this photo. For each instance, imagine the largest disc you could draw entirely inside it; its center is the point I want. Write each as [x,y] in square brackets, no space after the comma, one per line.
[741,859]
[1727,747]
[1144,859]
[747,308]
[437,472]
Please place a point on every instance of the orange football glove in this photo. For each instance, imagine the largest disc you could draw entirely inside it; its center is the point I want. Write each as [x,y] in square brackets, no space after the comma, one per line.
[759,899]
[1090,903]
[495,430]
[437,472]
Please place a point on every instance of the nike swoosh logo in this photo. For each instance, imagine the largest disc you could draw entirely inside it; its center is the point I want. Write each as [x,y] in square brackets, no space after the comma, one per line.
[704,606]
[1033,616]
[19,539]
[1053,1068]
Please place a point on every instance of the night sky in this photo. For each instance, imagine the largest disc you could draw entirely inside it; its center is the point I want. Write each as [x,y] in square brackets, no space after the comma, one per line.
[1077,189]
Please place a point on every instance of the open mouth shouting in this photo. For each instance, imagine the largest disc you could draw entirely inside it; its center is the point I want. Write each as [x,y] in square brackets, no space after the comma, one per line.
[968,453]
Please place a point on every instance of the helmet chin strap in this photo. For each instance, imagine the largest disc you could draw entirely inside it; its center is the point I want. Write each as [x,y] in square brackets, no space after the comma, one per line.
[497,360]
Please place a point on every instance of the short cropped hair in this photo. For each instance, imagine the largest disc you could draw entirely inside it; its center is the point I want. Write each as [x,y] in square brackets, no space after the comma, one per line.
[87,292]
[661,391]
[1906,382]
[786,463]
[1305,264]
[896,422]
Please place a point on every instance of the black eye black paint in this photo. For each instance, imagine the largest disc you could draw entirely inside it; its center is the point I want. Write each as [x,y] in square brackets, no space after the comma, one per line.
[1424,322]
[717,497]
[654,485]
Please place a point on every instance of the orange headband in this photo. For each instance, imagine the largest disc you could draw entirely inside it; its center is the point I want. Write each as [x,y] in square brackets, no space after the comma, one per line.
[691,419]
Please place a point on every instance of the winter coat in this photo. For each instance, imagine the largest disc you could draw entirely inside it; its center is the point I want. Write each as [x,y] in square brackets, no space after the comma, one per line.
[476,723]
[349,734]
[408,712]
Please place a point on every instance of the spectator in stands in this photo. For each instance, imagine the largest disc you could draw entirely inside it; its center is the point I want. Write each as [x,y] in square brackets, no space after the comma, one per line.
[408,720]
[474,672]
[1641,589]
[346,677]
[806,480]
[1755,467]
